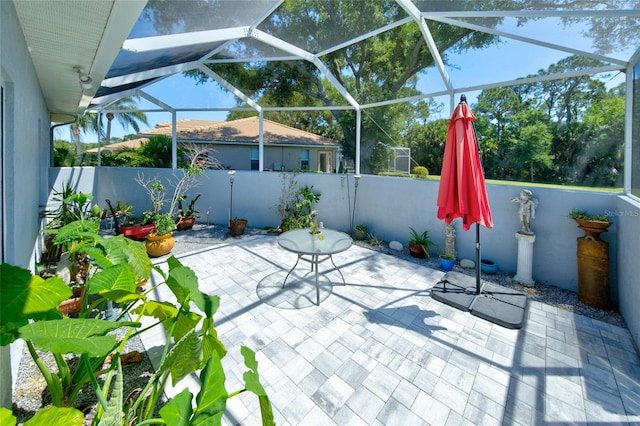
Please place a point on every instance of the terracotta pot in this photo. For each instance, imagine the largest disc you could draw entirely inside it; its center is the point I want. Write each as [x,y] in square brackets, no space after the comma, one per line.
[236,226]
[416,250]
[71,306]
[592,228]
[185,223]
[159,245]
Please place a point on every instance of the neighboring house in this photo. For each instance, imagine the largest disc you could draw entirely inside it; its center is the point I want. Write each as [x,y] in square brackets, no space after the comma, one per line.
[236,144]
[130,144]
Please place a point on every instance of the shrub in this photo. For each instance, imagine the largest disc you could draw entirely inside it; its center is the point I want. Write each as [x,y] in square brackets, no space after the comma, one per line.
[420,172]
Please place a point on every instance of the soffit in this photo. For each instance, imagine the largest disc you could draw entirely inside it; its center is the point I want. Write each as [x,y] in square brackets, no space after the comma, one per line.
[64,35]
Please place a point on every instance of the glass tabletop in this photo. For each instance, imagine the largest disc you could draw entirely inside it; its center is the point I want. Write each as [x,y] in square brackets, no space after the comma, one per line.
[301,241]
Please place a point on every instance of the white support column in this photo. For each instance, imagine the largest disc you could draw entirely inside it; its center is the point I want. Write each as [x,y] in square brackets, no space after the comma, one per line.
[525,259]
[261,142]
[358,124]
[174,141]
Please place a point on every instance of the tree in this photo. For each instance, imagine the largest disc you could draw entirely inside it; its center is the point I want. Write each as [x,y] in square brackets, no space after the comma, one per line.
[374,69]
[129,118]
[86,123]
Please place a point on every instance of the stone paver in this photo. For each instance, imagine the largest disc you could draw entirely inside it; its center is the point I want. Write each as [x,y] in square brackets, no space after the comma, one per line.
[380,351]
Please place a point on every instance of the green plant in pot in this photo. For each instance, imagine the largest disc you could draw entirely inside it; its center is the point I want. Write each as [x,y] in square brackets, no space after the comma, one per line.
[187,216]
[447,260]
[29,312]
[361,232]
[420,244]
[160,242]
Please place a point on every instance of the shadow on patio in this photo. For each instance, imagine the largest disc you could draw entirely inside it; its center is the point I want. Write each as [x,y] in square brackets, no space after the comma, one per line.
[380,350]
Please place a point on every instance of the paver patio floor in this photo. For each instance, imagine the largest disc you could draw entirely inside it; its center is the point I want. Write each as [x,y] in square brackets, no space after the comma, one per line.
[380,351]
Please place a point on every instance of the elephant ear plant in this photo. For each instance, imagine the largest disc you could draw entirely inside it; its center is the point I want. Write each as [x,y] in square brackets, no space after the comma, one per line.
[29,311]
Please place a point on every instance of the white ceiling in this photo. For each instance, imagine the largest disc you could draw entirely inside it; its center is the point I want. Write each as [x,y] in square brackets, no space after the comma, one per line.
[63,35]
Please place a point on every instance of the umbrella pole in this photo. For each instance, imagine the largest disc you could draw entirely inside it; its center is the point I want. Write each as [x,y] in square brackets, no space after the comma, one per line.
[477,258]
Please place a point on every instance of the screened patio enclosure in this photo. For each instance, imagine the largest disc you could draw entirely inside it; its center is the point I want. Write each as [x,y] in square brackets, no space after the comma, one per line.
[319,55]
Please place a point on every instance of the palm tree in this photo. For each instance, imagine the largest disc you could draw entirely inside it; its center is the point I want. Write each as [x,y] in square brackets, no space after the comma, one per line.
[85,123]
[129,118]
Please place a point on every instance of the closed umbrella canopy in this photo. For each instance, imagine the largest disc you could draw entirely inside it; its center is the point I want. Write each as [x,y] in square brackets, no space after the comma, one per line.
[462,191]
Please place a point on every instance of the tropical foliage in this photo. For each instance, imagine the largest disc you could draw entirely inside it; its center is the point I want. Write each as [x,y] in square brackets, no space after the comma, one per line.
[29,307]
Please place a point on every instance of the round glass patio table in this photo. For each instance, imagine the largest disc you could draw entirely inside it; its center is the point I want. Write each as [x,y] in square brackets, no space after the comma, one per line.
[314,249]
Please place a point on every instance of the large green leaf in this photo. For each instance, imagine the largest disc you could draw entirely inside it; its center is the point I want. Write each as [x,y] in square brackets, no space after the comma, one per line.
[251,379]
[79,230]
[114,283]
[211,401]
[7,418]
[160,310]
[252,383]
[114,415]
[183,282]
[57,416]
[211,343]
[134,252]
[178,411]
[79,336]
[183,358]
[186,323]
[24,296]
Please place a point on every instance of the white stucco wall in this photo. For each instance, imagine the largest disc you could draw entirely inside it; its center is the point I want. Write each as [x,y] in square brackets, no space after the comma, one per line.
[388,206]
[628,216]
[25,162]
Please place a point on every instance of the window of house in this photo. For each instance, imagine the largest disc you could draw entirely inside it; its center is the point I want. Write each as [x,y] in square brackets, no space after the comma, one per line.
[304,159]
[255,159]
[325,161]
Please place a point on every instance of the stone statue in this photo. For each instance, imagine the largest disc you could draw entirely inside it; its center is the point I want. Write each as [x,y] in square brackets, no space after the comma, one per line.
[526,211]
[450,240]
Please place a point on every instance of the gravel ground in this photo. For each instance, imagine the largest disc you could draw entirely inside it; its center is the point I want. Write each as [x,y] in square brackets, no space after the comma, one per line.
[31,393]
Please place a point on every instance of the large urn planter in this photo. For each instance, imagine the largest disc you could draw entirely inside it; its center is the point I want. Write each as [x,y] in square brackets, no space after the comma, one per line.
[185,223]
[237,226]
[593,264]
[159,245]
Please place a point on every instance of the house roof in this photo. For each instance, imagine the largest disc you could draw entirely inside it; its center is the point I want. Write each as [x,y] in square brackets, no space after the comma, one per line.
[244,131]
[130,144]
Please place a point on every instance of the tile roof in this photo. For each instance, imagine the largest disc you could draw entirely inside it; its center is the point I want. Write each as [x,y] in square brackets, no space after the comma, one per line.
[130,144]
[244,130]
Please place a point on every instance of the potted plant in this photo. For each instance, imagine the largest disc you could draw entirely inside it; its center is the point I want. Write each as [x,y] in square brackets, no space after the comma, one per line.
[191,346]
[592,225]
[593,259]
[488,266]
[447,260]
[237,226]
[160,242]
[187,216]
[361,232]
[419,244]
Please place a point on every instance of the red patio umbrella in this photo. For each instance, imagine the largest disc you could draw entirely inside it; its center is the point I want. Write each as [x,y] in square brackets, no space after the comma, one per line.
[462,193]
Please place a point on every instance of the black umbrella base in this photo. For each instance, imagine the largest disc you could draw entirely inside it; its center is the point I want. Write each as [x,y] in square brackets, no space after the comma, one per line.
[497,304]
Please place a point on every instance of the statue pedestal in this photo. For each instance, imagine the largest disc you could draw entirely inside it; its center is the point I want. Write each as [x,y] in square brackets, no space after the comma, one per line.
[525,259]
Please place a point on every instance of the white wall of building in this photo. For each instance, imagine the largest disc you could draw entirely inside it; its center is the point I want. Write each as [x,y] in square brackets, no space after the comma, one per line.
[25,159]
